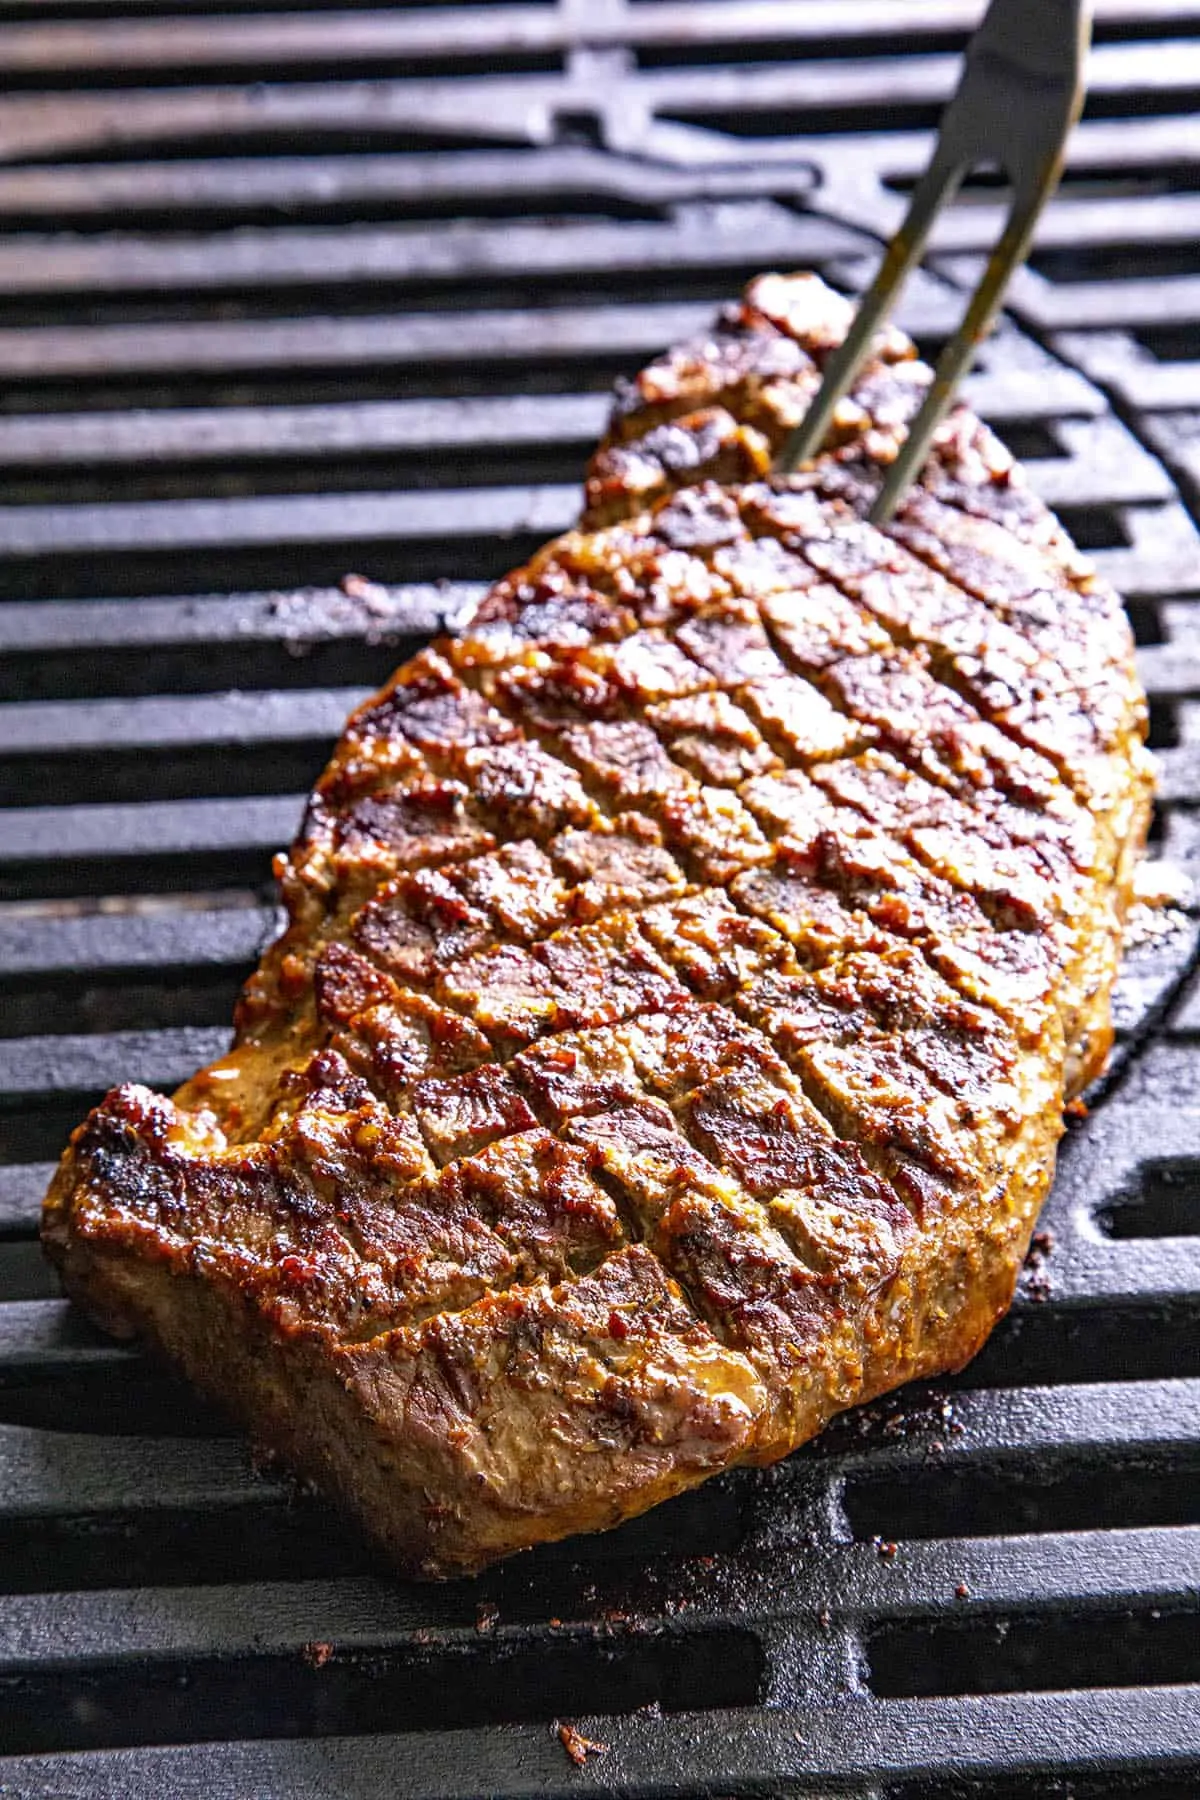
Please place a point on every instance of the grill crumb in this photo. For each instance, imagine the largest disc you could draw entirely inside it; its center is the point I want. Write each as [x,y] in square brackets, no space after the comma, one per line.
[578,1747]
[317,1654]
[1040,1246]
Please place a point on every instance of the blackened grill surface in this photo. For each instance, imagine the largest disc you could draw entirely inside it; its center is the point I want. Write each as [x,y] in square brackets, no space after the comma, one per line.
[262,321]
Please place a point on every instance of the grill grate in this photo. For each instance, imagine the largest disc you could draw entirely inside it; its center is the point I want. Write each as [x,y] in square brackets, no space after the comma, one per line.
[316,289]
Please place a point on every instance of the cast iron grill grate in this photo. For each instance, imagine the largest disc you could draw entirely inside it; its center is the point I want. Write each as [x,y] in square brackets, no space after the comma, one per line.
[291,290]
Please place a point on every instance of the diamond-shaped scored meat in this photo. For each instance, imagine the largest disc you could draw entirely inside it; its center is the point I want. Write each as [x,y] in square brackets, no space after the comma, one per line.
[685,968]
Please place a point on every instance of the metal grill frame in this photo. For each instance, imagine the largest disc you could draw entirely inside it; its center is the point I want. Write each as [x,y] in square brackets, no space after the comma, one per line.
[291,359]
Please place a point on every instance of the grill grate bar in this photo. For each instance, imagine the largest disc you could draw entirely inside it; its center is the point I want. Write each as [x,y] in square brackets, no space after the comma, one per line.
[1108,470]
[1115,1731]
[1125,367]
[1088,1572]
[1075,305]
[188,525]
[1125,220]
[49,1336]
[349,36]
[708,239]
[621,23]
[21,1188]
[226,937]
[243,718]
[1103,154]
[391,341]
[232,430]
[572,177]
[886,90]
[355,633]
[84,1064]
[562,422]
[69,834]
[203,435]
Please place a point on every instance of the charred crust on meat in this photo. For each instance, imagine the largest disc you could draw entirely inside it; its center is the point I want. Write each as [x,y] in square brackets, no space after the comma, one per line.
[686,965]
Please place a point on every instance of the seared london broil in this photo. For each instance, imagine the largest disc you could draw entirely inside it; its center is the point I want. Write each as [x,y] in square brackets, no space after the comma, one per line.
[291,293]
[686,968]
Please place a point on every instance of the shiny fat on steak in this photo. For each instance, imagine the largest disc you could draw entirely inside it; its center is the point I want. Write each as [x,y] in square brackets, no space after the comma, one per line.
[686,966]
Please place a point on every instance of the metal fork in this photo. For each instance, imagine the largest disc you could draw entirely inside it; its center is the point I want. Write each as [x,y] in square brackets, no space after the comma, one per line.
[1020,93]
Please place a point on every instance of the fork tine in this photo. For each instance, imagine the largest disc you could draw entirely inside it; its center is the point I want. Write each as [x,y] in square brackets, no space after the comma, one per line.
[955,359]
[1019,93]
[901,255]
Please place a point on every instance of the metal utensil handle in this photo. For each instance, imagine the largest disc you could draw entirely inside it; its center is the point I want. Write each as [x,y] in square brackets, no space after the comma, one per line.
[1021,90]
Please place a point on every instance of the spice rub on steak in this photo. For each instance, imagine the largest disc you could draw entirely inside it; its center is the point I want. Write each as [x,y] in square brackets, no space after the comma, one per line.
[686,967]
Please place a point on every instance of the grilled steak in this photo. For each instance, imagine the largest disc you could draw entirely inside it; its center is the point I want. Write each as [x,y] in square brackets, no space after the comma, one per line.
[685,968]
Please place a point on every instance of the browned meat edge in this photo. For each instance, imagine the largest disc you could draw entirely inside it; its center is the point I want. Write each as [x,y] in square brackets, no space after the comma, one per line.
[686,967]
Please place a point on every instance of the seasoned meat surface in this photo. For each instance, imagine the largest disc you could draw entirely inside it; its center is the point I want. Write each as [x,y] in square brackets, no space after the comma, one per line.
[686,965]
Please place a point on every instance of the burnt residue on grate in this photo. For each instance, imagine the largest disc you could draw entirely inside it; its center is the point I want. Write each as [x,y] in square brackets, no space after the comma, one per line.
[307,314]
